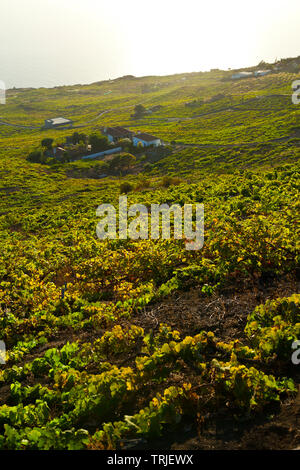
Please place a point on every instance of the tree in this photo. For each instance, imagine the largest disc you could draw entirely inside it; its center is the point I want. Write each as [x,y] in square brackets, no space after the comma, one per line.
[126,144]
[98,142]
[139,110]
[77,138]
[47,143]
[122,162]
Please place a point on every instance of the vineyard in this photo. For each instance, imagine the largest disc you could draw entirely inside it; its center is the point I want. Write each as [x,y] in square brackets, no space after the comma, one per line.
[135,344]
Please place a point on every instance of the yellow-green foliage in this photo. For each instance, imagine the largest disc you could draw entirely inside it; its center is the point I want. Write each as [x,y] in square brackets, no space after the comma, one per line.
[72,307]
[273,327]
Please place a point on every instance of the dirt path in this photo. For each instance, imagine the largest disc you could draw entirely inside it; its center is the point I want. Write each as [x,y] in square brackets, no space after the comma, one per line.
[10,124]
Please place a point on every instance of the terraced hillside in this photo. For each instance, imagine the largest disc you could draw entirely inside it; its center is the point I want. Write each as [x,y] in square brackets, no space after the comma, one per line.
[142,343]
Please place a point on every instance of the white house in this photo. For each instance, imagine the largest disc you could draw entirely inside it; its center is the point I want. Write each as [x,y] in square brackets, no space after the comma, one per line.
[145,140]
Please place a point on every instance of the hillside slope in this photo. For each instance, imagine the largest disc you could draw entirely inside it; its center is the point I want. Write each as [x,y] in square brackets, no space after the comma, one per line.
[142,343]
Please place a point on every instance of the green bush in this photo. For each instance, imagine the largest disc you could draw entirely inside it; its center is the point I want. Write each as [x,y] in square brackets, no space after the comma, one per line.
[125,187]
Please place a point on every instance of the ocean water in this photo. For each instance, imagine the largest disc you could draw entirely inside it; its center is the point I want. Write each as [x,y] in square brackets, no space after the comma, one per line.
[27,74]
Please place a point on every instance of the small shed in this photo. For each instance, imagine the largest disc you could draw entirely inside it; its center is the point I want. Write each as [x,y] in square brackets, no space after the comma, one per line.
[58,122]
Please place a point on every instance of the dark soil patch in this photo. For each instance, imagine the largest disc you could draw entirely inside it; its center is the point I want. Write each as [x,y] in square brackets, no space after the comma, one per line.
[278,431]
[225,313]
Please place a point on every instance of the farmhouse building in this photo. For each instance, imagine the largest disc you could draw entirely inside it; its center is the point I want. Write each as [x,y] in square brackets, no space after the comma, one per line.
[114,134]
[58,123]
[145,140]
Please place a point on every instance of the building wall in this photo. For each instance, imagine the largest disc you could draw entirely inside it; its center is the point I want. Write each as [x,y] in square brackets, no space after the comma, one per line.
[136,141]
[110,138]
[102,154]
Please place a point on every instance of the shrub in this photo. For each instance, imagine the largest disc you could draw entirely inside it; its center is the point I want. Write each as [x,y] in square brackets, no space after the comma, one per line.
[142,183]
[125,188]
[98,142]
[36,157]
[274,326]
[170,180]
[148,167]
[47,143]
[126,144]
[122,162]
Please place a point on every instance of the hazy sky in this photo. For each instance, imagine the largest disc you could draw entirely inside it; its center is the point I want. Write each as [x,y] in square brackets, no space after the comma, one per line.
[55,42]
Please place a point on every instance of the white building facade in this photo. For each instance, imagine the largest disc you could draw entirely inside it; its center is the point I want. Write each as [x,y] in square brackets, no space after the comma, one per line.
[145,140]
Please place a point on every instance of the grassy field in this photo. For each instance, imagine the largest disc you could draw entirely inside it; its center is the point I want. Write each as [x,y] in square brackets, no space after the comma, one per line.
[141,343]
